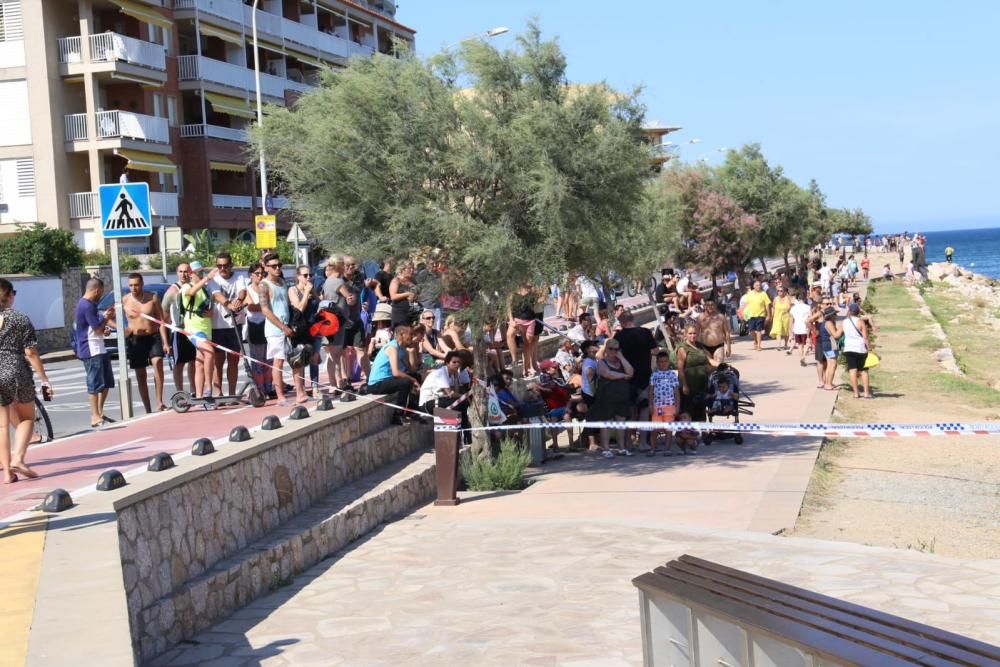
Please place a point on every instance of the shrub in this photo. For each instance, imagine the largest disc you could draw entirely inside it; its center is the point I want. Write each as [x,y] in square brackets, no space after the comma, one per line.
[97,258]
[37,250]
[505,472]
[173,259]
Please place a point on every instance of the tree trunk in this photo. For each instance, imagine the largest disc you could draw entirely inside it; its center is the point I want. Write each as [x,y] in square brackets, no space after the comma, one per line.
[478,408]
[788,267]
[763,264]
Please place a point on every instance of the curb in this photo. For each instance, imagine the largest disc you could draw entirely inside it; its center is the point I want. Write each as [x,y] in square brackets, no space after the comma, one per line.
[58,355]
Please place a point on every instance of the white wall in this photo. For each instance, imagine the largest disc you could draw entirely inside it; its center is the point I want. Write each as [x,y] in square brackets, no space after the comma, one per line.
[12,54]
[41,299]
[15,119]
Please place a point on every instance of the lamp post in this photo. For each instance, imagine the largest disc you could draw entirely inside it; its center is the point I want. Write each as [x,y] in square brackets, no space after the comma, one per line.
[704,158]
[260,107]
[488,34]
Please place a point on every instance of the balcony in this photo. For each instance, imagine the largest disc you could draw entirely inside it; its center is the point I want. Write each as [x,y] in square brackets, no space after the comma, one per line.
[200,68]
[214,132]
[88,205]
[119,125]
[115,53]
[241,201]
[277,27]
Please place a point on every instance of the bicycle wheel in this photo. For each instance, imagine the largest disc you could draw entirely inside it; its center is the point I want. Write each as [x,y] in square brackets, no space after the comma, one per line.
[630,288]
[43,425]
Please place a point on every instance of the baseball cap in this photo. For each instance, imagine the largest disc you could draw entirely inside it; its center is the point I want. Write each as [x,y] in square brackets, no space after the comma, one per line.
[197,266]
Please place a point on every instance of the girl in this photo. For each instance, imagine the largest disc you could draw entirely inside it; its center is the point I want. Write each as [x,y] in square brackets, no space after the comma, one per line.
[521,322]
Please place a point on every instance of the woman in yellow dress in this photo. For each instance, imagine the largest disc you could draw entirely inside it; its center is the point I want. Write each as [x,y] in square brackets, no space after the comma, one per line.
[781,326]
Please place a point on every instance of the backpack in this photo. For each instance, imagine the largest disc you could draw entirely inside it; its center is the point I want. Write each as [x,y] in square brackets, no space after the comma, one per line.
[206,305]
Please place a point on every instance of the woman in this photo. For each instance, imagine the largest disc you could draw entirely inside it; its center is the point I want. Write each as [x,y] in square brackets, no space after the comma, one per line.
[254,334]
[198,322]
[389,372]
[452,337]
[402,294]
[693,367]
[856,349]
[430,347]
[521,322]
[18,356]
[827,345]
[613,399]
[302,303]
[780,325]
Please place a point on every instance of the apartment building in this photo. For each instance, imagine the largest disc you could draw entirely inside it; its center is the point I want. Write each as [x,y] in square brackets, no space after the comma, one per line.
[159,91]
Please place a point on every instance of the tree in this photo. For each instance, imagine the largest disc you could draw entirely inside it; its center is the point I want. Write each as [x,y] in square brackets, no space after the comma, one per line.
[38,250]
[850,221]
[517,178]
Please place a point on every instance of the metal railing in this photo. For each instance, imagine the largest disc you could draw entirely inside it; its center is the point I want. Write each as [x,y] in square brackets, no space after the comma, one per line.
[76,126]
[214,131]
[128,125]
[243,201]
[113,47]
[88,205]
[194,68]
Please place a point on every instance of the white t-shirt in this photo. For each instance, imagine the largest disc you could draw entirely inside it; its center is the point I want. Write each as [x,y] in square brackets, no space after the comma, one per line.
[824,276]
[800,313]
[434,385]
[587,288]
[230,289]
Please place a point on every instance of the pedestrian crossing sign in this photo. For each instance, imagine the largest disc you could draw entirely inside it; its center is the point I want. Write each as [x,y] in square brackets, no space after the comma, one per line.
[125,210]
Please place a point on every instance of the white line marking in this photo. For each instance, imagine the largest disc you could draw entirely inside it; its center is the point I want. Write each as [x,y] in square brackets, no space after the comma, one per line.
[124,444]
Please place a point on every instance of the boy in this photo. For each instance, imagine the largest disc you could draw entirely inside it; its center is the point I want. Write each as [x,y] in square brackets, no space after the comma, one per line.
[723,402]
[687,439]
[664,397]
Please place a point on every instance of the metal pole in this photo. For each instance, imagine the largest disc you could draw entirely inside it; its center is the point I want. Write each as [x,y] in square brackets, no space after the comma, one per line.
[260,109]
[124,389]
[163,251]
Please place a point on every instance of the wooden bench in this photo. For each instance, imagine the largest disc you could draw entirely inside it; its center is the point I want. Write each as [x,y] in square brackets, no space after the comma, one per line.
[696,612]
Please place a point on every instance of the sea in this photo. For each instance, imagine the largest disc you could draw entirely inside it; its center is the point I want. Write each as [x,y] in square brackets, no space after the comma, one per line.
[977,250]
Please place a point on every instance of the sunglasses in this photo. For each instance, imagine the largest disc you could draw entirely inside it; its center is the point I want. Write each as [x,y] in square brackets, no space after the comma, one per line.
[256,273]
[305,275]
[224,266]
[427,317]
[274,266]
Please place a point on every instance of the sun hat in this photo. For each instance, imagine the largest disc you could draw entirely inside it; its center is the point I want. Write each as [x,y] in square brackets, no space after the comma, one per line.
[829,312]
[383,313]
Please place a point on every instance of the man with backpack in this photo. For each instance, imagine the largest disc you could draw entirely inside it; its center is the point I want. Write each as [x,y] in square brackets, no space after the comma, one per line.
[197,306]
[181,350]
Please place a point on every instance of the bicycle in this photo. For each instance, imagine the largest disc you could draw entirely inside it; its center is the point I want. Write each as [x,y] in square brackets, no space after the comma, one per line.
[42,428]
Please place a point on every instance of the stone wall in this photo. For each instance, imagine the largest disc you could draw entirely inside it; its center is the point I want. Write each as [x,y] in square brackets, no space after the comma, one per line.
[170,536]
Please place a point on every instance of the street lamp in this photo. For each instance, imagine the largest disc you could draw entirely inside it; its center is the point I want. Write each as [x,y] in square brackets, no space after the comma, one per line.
[489,34]
[260,108]
[671,146]
[704,158]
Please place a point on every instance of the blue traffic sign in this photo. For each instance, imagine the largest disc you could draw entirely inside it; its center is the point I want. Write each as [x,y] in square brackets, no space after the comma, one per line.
[125,210]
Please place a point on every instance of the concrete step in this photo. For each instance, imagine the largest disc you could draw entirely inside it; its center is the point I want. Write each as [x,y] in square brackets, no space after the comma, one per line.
[334,522]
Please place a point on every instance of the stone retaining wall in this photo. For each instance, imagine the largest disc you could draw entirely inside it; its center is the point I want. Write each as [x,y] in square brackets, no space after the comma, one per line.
[171,534]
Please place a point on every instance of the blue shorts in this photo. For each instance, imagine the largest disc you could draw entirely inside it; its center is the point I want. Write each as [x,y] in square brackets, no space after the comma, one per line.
[99,373]
[831,354]
[755,324]
[556,415]
[196,336]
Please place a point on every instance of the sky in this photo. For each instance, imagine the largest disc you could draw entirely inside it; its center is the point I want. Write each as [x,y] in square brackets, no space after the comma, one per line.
[892,106]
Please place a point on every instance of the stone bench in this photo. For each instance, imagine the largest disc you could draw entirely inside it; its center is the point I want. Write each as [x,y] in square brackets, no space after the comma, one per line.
[696,612]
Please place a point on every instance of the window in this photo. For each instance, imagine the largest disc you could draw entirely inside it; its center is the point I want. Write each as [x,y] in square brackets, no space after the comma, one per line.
[158,105]
[179,176]
[168,182]
[25,178]
[11,25]
[172,110]
[165,33]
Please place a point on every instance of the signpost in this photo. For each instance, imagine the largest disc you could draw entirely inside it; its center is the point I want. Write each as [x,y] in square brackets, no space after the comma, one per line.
[267,231]
[124,214]
[297,238]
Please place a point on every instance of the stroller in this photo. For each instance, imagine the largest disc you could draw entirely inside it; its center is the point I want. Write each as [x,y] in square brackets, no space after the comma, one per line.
[726,399]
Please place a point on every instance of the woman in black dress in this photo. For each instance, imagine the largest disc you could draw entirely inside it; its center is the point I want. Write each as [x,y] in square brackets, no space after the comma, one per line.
[18,349]
[613,400]
[402,294]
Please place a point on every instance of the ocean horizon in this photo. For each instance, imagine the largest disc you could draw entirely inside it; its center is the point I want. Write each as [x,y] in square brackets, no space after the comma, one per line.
[977,250]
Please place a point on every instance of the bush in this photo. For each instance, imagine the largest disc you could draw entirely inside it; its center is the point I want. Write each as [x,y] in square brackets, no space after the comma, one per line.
[505,472]
[173,259]
[38,250]
[97,258]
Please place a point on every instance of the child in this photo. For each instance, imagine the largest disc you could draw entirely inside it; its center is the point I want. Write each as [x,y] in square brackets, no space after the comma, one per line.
[723,402]
[663,396]
[887,272]
[687,439]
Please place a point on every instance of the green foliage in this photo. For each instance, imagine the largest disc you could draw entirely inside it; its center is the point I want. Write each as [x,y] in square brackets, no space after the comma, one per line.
[126,262]
[504,472]
[849,221]
[244,253]
[204,245]
[173,259]
[38,250]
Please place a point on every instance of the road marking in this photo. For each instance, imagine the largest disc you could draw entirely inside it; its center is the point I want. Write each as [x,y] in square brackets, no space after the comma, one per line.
[124,444]
[88,431]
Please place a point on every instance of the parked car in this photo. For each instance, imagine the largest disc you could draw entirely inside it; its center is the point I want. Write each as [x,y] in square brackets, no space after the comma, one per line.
[108,300]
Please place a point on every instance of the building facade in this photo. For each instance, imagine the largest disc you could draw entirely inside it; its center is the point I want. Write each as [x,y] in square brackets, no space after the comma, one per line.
[159,91]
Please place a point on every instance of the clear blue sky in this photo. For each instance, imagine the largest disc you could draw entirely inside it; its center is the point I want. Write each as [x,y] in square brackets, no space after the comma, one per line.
[891,106]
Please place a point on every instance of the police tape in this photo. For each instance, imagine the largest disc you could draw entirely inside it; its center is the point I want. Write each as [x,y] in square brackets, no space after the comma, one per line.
[820,429]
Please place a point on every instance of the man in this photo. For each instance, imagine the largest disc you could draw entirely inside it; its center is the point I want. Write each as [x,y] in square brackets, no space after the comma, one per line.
[275,308]
[588,294]
[337,295]
[713,332]
[919,256]
[666,292]
[383,278]
[356,336]
[145,340]
[639,348]
[428,282]
[182,351]
[949,254]
[757,311]
[90,329]
[824,277]
[229,292]
[584,329]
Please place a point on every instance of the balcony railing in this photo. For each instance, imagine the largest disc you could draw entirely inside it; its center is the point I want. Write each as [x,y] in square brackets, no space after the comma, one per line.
[195,68]
[243,201]
[112,47]
[88,205]
[214,131]
[123,124]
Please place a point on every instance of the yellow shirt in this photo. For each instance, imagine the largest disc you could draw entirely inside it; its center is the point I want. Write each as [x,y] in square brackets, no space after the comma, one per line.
[756,304]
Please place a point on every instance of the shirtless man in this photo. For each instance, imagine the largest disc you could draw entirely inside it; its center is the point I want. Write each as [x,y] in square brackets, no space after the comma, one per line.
[145,340]
[713,332]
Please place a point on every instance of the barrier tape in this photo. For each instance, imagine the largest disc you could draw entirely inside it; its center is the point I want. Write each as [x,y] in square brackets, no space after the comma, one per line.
[856,430]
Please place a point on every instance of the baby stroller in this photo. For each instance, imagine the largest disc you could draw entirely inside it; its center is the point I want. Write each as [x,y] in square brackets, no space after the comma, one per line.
[726,399]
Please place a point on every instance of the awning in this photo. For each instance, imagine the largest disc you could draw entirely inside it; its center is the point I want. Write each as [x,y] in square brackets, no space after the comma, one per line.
[232,106]
[147,14]
[223,34]
[144,161]
[305,58]
[227,166]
